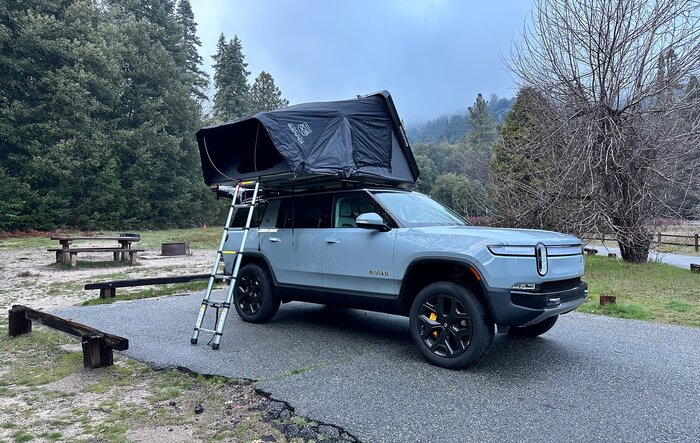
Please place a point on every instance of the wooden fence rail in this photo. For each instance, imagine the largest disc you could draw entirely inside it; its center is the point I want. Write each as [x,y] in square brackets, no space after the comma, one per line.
[679,240]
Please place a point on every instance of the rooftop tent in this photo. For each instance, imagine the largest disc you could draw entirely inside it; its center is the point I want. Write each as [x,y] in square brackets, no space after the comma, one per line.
[358,140]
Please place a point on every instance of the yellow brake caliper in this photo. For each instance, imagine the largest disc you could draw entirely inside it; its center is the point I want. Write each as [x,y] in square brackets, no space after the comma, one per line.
[433,317]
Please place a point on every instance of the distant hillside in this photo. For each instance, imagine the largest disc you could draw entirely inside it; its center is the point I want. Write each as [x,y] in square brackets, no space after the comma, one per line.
[452,128]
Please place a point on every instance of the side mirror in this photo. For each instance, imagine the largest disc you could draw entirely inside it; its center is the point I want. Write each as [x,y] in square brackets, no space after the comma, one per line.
[371,220]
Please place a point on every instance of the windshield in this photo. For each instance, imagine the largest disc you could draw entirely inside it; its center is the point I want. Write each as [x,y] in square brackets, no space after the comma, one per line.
[416,210]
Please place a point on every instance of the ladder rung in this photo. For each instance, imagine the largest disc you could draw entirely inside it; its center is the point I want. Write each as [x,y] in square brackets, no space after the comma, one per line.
[240,206]
[235,228]
[221,277]
[206,330]
[229,252]
[217,303]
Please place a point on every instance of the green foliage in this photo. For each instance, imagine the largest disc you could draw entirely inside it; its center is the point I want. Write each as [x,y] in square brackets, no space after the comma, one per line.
[466,196]
[457,173]
[451,129]
[265,95]
[519,175]
[98,108]
[231,99]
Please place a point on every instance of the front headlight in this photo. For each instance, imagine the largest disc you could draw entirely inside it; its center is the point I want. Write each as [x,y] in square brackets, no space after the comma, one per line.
[523,251]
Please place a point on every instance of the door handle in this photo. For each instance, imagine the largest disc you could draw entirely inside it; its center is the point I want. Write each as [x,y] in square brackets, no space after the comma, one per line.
[332,240]
[275,239]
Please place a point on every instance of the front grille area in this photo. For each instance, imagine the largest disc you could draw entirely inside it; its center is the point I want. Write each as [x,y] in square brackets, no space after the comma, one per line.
[560,285]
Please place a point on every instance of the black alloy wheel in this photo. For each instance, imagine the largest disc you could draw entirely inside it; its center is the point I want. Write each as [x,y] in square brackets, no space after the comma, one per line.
[249,295]
[445,326]
[253,296]
[450,326]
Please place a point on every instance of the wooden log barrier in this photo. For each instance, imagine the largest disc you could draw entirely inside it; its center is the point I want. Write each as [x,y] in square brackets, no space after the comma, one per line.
[97,345]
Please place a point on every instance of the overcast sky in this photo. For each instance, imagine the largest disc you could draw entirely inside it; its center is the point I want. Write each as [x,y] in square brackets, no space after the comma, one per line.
[434,56]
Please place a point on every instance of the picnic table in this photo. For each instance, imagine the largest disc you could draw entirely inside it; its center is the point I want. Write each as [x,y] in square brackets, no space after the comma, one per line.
[67,253]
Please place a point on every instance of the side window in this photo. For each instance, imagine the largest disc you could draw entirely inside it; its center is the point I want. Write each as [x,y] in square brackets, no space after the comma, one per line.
[241,215]
[347,207]
[310,211]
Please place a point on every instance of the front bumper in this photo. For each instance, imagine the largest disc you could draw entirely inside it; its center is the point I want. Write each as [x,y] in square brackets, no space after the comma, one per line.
[524,308]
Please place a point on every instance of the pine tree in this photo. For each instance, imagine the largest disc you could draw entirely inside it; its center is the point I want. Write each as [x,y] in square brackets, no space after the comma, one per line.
[230,80]
[478,142]
[190,44]
[265,95]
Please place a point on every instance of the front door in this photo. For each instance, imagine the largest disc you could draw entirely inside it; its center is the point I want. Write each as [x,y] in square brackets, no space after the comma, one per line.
[357,261]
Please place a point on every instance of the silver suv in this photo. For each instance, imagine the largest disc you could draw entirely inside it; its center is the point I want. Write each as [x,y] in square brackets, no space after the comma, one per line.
[403,253]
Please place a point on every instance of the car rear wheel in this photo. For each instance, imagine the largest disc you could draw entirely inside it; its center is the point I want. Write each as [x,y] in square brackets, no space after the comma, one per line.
[535,330]
[449,326]
[253,297]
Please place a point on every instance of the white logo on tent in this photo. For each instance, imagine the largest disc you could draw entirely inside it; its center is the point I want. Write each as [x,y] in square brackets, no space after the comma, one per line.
[300,131]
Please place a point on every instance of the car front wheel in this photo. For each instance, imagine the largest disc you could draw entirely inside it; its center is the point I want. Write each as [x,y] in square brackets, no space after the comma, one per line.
[449,326]
[253,297]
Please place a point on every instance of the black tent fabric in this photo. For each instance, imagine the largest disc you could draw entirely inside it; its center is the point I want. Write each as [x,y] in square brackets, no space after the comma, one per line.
[360,139]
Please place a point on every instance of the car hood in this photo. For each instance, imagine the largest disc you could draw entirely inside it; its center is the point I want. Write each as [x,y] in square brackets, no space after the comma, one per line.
[507,236]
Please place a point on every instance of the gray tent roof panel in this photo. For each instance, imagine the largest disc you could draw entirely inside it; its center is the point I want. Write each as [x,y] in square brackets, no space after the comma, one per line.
[351,139]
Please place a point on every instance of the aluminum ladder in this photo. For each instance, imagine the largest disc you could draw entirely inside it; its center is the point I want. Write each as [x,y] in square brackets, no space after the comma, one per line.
[225,305]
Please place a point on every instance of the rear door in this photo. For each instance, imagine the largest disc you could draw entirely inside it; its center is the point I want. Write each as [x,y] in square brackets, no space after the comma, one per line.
[294,248]
[355,260]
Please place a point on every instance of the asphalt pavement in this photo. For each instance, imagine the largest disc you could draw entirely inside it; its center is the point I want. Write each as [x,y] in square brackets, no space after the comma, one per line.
[589,379]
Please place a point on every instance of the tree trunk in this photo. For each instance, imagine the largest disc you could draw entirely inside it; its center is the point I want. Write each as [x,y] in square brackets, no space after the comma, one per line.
[634,244]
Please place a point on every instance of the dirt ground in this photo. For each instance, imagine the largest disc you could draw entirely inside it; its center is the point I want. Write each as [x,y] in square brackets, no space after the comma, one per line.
[46,395]
[31,276]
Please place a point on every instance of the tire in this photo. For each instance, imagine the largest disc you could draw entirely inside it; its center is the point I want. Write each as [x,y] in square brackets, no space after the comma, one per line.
[535,330]
[469,332]
[253,297]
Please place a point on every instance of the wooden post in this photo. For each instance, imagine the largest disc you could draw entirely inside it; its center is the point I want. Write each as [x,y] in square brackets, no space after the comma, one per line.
[607,299]
[18,323]
[108,292]
[697,244]
[96,354]
[116,256]
[658,238]
[73,259]
[132,257]
[695,267]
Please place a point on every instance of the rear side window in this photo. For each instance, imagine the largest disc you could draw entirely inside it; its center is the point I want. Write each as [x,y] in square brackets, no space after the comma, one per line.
[309,211]
[241,215]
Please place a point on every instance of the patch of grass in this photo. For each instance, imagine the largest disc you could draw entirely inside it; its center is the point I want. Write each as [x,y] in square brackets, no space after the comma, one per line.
[159,291]
[27,242]
[621,310]
[198,238]
[649,291]
[52,436]
[38,358]
[8,425]
[171,385]
[678,306]
[21,436]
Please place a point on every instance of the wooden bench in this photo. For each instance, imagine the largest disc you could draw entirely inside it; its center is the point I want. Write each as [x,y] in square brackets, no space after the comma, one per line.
[70,255]
[109,288]
[97,345]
